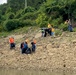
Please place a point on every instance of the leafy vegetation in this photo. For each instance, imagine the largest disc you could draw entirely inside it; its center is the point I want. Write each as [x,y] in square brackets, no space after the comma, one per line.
[14,15]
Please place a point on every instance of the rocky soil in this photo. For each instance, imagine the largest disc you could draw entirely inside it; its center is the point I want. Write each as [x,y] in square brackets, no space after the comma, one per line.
[52,53]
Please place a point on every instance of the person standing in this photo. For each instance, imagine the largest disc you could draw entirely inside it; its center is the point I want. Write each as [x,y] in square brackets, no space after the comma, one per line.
[70,28]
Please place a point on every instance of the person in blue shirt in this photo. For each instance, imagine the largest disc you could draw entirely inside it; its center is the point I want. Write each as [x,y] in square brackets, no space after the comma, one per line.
[25,47]
[33,46]
[70,28]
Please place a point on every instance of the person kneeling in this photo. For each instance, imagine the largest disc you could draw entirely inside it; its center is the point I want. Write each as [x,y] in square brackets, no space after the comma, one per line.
[33,46]
[25,47]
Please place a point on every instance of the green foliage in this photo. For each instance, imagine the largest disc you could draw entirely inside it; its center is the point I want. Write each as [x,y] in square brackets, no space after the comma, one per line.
[38,12]
[19,14]
[8,10]
[74,29]
[42,20]
[3,9]
[58,32]
[56,22]
[31,16]
[35,3]
[63,27]
[4,34]
[16,5]
[0,18]
[11,16]
[12,24]
[1,28]
[28,22]
[28,9]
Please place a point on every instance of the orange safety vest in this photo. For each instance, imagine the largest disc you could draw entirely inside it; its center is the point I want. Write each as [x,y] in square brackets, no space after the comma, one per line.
[11,40]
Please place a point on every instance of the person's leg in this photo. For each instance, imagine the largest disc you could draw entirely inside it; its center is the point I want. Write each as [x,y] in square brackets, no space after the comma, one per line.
[71,29]
[33,49]
[13,45]
[23,50]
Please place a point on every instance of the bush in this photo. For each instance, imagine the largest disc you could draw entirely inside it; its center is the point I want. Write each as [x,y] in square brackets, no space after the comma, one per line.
[19,14]
[12,24]
[56,22]
[29,16]
[1,28]
[63,27]
[74,29]
[28,9]
[28,22]
[11,16]
[42,20]
[58,32]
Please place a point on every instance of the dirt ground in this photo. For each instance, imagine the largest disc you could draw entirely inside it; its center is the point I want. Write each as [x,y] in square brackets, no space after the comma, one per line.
[52,53]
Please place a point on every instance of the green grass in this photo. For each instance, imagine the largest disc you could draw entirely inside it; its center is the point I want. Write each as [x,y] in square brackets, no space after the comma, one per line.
[22,30]
[58,32]
[4,34]
[74,29]
[17,31]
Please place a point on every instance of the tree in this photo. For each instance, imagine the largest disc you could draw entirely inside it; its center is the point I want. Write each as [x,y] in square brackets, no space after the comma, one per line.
[16,4]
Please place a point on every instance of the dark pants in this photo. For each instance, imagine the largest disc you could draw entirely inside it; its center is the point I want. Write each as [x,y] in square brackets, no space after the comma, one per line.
[12,45]
[47,31]
[33,47]
[23,50]
[70,28]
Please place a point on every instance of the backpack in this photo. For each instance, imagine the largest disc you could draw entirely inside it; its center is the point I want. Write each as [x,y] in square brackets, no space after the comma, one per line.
[28,51]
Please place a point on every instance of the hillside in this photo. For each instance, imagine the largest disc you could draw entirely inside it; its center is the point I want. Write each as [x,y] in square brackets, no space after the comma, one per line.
[52,53]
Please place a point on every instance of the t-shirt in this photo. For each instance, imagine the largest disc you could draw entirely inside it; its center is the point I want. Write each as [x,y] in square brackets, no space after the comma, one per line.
[11,40]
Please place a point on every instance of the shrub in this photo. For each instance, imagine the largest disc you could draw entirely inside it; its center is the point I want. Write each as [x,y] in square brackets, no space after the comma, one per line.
[1,28]
[29,16]
[12,24]
[19,14]
[63,27]
[11,16]
[29,22]
[42,20]
[74,29]
[56,22]
[28,9]
[58,32]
